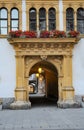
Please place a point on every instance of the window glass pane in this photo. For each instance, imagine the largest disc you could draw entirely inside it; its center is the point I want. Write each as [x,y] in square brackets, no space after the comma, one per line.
[32,14]
[70,25]
[43,25]
[69,19]
[80,26]
[80,13]
[14,23]
[52,19]
[70,13]
[42,19]
[3,23]
[33,26]
[52,13]
[42,13]
[52,25]
[3,13]
[32,19]
[14,13]
[80,20]
[4,31]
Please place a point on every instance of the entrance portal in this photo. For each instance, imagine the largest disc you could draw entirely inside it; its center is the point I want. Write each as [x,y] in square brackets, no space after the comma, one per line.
[45,55]
[43,81]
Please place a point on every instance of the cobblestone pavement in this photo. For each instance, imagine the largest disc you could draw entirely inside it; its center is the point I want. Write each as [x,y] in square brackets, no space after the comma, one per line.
[42,118]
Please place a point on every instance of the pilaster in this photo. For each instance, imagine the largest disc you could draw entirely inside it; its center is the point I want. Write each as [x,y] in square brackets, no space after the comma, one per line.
[67,89]
[59,53]
[21,92]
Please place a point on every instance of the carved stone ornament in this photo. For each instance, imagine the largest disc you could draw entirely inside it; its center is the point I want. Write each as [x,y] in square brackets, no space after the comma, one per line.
[57,51]
[44,57]
[43,47]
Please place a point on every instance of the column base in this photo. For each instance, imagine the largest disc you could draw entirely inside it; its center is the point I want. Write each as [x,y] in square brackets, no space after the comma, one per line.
[20,105]
[68,104]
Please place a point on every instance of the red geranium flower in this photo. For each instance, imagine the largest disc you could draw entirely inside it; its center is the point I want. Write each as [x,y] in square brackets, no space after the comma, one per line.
[73,33]
[45,34]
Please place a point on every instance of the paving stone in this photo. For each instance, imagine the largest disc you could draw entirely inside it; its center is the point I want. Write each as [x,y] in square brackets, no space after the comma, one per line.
[36,118]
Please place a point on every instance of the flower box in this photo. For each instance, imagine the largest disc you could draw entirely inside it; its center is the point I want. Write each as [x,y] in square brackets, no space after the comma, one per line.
[43,34]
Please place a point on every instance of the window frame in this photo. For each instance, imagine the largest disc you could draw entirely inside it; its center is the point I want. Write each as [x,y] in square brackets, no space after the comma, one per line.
[53,19]
[33,20]
[41,19]
[4,19]
[80,19]
[69,19]
[14,19]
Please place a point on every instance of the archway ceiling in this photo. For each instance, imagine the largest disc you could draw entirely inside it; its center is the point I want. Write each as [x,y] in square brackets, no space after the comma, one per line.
[46,66]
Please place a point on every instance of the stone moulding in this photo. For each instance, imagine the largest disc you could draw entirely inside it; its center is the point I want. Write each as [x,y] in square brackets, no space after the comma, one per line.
[45,48]
[43,40]
[39,46]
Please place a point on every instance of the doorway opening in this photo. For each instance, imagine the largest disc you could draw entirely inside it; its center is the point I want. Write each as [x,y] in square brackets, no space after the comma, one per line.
[43,84]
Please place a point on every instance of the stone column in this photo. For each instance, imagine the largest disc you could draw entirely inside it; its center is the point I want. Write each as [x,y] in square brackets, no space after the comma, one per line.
[47,26]
[21,95]
[20,20]
[75,20]
[9,21]
[57,20]
[37,20]
[64,20]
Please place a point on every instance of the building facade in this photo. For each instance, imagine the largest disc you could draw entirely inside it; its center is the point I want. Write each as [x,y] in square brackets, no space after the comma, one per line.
[61,58]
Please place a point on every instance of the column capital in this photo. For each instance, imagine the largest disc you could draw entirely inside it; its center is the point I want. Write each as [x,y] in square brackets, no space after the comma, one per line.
[75,11]
[19,56]
[68,56]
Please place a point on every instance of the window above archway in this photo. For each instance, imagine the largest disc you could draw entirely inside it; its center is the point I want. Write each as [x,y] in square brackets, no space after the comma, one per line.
[3,21]
[42,19]
[14,19]
[69,19]
[52,19]
[32,19]
[80,20]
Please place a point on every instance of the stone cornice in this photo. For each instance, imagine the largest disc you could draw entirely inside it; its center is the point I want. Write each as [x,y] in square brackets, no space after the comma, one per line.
[43,46]
[43,40]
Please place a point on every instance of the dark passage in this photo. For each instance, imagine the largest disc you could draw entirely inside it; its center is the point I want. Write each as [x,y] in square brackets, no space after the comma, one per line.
[42,101]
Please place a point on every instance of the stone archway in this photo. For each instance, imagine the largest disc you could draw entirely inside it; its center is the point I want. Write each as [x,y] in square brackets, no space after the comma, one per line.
[58,52]
[46,80]
[54,62]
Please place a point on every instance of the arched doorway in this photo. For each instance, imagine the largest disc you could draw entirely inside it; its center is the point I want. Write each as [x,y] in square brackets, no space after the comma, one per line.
[51,53]
[43,81]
